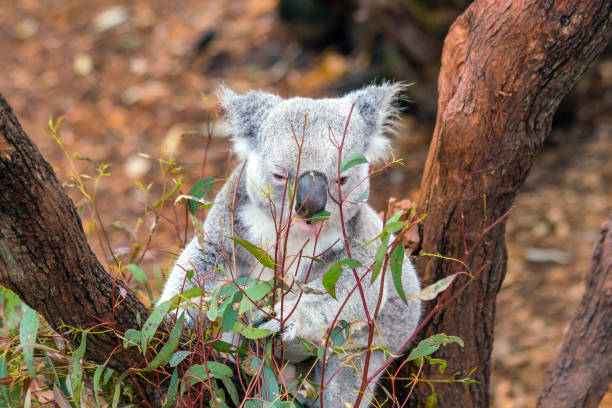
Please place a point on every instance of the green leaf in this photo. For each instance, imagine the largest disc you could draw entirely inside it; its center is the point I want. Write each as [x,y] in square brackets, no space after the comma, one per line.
[158,277]
[96,381]
[213,311]
[178,357]
[165,354]
[353,160]
[331,277]
[218,396]
[169,193]
[223,346]
[432,399]
[339,334]
[197,372]
[141,277]
[28,331]
[117,392]
[250,332]
[317,260]
[264,258]
[231,390]
[337,337]
[186,296]
[131,338]
[434,289]
[395,217]
[230,313]
[172,390]
[77,368]
[199,190]
[436,361]
[322,216]
[150,326]
[108,373]
[396,261]
[394,226]
[253,294]
[431,344]
[381,251]
[269,387]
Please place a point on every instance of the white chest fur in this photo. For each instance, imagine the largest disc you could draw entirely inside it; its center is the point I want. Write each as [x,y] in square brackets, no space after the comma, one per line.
[262,232]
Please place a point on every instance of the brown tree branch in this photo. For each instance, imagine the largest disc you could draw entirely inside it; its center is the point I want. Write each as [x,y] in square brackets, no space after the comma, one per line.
[582,369]
[506,66]
[45,257]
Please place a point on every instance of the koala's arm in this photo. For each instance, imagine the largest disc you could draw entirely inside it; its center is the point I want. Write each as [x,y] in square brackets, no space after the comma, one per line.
[205,262]
[316,312]
[202,261]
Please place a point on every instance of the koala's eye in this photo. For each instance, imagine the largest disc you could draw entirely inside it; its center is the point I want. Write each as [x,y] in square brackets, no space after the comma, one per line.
[343,180]
[279,177]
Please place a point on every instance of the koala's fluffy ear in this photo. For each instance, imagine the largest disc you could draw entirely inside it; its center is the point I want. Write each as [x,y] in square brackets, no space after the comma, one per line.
[246,113]
[377,105]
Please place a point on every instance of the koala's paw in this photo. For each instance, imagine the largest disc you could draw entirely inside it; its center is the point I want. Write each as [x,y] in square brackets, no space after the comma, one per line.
[272,325]
[289,332]
[262,321]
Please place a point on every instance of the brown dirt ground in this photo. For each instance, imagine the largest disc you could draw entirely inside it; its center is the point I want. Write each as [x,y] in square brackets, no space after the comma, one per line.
[137,87]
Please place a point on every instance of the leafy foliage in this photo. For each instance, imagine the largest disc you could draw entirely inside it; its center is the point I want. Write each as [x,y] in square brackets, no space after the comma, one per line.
[192,360]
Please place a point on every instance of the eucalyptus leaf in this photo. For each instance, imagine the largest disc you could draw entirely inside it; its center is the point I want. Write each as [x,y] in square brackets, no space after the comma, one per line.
[28,331]
[431,291]
[177,357]
[432,344]
[381,251]
[199,190]
[250,332]
[165,354]
[141,277]
[150,326]
[396,261]
[353,160]
[333,274]
[264,258]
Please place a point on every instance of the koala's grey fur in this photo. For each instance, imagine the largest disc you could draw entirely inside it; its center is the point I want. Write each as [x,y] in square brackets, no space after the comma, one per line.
[261,124]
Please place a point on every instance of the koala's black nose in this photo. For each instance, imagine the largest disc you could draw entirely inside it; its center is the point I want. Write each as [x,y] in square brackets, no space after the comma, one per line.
[310,193]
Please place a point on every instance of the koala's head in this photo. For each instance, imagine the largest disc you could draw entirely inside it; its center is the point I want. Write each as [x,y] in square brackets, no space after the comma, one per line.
[296,142]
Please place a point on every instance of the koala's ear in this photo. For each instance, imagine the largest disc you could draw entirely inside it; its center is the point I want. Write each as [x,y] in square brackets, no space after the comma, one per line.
[245,114]
[377,105]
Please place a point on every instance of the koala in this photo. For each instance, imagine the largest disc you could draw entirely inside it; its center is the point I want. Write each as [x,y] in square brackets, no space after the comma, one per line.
[292,145]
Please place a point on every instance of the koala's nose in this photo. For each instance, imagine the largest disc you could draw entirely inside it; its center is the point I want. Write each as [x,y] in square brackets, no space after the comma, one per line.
[310,193]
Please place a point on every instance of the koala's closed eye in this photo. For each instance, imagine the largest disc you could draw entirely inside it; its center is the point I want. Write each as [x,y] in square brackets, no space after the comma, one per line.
[279,177]
[342,180]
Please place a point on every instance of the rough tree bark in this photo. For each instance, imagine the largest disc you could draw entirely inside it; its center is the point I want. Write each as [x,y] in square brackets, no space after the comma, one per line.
[506,66]
[582,369]
[45,257]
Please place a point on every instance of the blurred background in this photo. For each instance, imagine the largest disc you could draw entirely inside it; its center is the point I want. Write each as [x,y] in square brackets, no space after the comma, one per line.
[135,81]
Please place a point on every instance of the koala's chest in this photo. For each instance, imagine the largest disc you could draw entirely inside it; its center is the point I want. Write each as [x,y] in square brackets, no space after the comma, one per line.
[293,251]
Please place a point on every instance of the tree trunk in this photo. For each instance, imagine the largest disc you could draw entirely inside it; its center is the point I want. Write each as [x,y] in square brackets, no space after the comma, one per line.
[582,370]
[45,257]
[506,66]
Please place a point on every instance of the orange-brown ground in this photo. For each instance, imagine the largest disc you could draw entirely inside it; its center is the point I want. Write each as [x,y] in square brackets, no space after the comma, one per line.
[137,87]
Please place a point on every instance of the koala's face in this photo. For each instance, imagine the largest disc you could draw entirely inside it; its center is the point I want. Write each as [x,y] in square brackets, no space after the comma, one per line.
[294,148]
